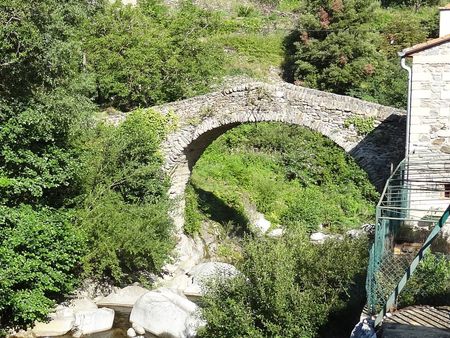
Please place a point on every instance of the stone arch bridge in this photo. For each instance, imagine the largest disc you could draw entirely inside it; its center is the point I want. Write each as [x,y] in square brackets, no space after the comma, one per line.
[202,119]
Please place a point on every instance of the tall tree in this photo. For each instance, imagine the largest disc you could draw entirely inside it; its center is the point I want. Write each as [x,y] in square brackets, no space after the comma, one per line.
[42,108]
[338,50]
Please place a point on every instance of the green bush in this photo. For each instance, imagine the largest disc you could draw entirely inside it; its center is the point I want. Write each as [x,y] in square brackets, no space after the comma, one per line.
[38,160]
[125,208]
[40,251]
[363,125]
[288,288]
[350,47]
[43,109]
[124,239]
[430,284]
[246,11]
[41,45]
[192,214]
[143,55]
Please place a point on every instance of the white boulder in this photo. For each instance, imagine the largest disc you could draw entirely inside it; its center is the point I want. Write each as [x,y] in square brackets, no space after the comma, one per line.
[82,304]
[258,222]
[204,271]
[179,283]
[261,224]
[61,323]
[163,312]
[93,320]
[318,237]
[138,329]
[131,333]
[276,233]
[123,297]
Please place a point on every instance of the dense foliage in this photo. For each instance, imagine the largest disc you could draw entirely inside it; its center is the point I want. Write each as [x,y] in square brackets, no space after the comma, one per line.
[41,112]
[38,252]
[146,55]
[349,47]
[288,288]
[125,208]
[430,284]
[296,177]
[90,192]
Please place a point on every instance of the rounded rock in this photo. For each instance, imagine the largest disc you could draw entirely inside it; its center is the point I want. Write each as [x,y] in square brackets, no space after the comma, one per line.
[131,333]
[139,329]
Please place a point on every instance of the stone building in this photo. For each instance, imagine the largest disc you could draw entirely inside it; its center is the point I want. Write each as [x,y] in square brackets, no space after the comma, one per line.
[429,104]
[428,124]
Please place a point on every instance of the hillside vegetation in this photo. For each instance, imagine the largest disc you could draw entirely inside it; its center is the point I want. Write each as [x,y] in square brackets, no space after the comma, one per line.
[80,199]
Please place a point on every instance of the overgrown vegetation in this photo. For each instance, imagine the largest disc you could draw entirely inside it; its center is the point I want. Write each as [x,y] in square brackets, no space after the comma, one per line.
[362,125]
[42,109]
[349,47]
[289,288]
[152,55]
[125,194]
[40,252]
[296,177]
[430,284]
[78,199]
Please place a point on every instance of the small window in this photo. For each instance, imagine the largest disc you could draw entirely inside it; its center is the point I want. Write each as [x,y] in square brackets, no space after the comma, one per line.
[447,190]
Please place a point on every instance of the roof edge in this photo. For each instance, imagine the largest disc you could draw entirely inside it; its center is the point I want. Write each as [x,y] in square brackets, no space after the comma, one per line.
[425,45]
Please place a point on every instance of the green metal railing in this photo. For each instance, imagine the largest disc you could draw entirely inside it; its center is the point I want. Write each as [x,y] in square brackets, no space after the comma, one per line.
[416,196]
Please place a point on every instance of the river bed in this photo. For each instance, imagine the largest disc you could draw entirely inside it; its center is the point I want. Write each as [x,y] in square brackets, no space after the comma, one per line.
[120,326]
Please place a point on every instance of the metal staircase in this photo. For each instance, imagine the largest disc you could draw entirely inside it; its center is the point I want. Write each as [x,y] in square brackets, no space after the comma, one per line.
[412,211]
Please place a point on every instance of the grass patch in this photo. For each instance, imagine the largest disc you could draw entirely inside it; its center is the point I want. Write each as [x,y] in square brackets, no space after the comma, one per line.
[251,54]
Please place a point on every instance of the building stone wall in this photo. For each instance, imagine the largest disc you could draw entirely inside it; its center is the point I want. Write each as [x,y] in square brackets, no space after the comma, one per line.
[204,118]
[430,101]
[430,131]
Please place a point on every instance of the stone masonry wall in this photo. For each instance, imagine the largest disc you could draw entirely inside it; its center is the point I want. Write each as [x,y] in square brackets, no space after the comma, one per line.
[430,129]
[430,101]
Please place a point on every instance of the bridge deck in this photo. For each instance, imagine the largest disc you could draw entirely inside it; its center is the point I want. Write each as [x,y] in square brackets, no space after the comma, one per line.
[418,321]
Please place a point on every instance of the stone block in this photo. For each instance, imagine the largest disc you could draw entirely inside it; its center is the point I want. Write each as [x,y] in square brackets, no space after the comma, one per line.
[422,76]
[420,112]
[431,59]
[417,102]
[123,297]
[163,312]
[62,323]
[421,94]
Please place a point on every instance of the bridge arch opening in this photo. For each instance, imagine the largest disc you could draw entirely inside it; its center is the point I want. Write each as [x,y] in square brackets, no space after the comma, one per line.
[288,173]
[208,131]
